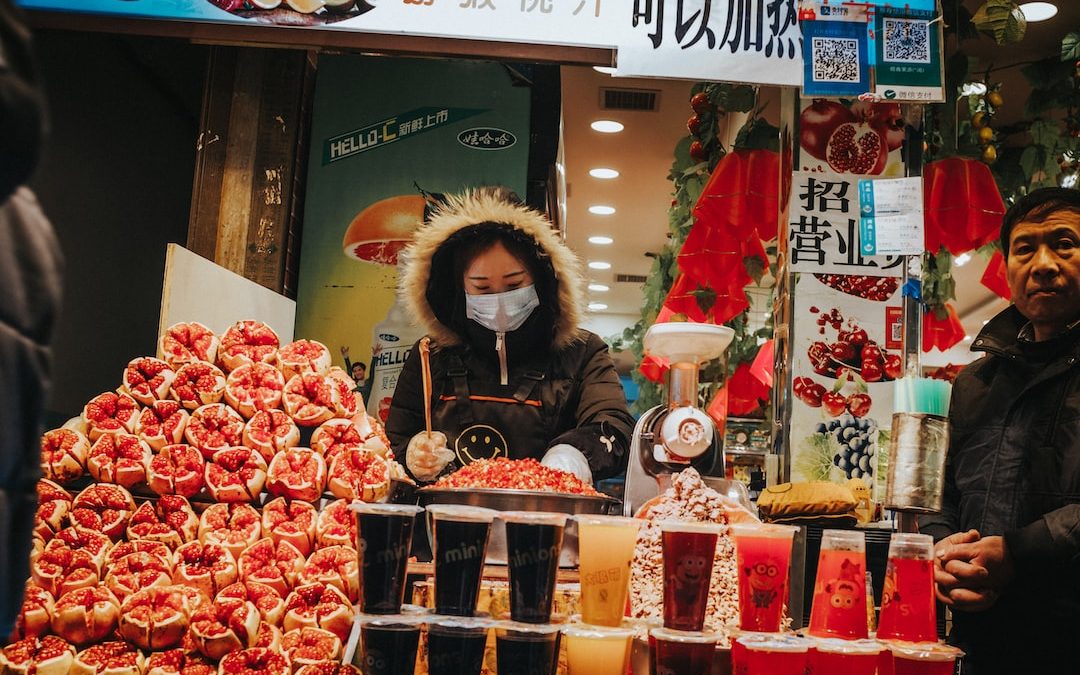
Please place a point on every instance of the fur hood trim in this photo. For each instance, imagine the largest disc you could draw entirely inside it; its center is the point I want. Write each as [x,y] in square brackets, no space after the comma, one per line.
[481,206]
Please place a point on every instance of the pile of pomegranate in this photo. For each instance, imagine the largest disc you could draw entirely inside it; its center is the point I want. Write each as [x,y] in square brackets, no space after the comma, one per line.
[200,546]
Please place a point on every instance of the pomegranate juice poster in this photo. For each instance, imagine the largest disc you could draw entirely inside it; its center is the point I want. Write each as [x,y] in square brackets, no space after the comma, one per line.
[384,132]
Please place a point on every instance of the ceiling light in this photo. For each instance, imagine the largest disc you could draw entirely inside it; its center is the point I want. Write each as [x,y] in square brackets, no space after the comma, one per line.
[604,173]
[596,306]
[1038,11]
[599,265]
[599,288]
[603,241]
[606,70]
[601,210]
[962,259]
[607,126]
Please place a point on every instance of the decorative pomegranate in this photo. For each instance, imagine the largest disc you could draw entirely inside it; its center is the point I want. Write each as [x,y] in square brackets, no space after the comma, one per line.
[817,123]
[885,118]
[856,148]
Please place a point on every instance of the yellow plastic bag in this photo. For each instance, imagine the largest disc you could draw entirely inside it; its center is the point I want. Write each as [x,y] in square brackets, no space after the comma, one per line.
[815,498]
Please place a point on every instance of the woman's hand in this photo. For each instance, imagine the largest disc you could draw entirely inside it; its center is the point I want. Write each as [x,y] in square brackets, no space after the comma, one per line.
[426,456]
[567,458]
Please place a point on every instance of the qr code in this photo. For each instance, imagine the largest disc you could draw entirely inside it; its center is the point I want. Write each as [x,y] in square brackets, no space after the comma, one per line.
[907,40]
[836,59]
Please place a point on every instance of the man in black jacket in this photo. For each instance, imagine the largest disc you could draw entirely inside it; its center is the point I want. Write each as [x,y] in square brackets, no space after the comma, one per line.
[1008,552]
[29,298]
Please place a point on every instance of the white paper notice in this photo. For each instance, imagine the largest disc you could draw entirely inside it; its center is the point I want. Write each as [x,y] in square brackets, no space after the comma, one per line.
[891,216]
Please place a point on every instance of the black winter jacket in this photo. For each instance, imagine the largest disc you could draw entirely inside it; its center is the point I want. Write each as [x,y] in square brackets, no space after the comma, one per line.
[1014,470]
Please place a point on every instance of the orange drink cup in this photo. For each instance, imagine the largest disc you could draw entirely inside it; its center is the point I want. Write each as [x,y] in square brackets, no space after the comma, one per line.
[689,549]
[605,550]
[927,658]
[770,654]
[676,652]
[907,601]
[763,556]
[830,656]
[839,605]
[597,650]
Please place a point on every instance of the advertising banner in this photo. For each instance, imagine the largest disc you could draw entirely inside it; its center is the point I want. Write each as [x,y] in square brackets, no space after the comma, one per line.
[376,147]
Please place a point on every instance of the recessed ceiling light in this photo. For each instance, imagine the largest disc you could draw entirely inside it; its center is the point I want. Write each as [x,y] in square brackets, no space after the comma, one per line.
[607,126]
[595,306]
[1038,11]
[604,173]
[599,265]
[599,288]
[606,70]
[603,241]
[962,259]
[601,210]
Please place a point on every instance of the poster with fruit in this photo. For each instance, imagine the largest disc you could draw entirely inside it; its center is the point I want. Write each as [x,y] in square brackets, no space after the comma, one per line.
[851,137]
[379,150]
[847,351]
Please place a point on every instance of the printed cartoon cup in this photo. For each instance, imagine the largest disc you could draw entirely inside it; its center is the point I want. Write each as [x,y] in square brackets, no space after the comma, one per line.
[527,648]
[907,601]
[928,658]
[763,556]
[605,550]
[597,650]
[533,543]
[384,534]
[456,645]
[459,543]
[770,653]
[839,605]
[676,652]
[829,656]
[689,549]
[388,644]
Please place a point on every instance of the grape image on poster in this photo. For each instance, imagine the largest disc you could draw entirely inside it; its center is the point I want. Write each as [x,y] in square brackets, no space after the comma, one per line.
[846,354]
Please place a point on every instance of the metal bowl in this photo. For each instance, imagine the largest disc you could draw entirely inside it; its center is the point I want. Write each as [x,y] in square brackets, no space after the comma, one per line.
[521,500]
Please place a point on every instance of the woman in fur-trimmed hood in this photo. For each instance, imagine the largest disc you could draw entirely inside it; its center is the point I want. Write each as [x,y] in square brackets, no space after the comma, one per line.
[513,375]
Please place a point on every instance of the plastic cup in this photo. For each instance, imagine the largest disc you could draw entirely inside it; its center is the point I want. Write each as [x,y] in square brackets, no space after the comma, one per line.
[927,658]
[388,644]
[689,549]
[763,557]
[676,652]
[597,650]
[527,648]
[456,645]
[829,656]
[384,533]
[533,543]
[770,653]
[839,606]
[459,543]
[907,601]
[605,551]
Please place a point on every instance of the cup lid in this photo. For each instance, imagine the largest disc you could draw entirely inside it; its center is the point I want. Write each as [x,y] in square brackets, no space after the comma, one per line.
[770,530]
[528,630]
[462,623]
[924,651]
[590,631]
[775,642]
[615,521]
[689,526]
[534,517]
[837,646]
[391,621]
[385,509]
[461,512]
[843,540]
[685,637]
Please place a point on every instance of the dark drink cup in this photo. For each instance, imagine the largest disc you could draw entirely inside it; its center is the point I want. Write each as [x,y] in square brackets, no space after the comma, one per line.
[527,649]
[384,533]
[763,558]
[533,544]
[459,543]
[456,645]
[771,653]
[839,608]
[676,652]
[907,601]
[388,644]
[830,656]
[929,658]
[689,549]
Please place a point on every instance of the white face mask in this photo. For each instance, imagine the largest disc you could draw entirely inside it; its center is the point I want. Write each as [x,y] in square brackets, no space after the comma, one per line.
[502,312]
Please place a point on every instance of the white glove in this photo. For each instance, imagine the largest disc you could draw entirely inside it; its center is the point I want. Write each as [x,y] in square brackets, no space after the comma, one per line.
[427,457]
[569,459]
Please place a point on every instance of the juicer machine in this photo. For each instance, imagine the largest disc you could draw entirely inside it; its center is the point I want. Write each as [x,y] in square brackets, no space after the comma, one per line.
[676,434]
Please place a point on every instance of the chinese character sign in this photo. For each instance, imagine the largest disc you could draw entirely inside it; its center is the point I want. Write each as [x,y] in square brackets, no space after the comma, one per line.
[731,40]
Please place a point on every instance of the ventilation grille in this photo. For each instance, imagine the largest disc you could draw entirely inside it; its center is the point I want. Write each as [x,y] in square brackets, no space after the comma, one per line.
[629,99]
[631,278]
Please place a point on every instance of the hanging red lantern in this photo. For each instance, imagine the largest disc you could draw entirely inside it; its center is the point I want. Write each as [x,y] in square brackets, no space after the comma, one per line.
[939,332]
[713,257]
[745,392]
[742,193]
[653,369]
[994,277]
[962,206]
[681,299]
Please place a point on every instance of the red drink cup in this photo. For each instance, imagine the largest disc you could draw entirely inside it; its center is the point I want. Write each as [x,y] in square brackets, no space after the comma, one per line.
[689,551]
[830,656]
[771,654]
[839,608]
[927,658]
[676,652]
[763,556]
[907,602]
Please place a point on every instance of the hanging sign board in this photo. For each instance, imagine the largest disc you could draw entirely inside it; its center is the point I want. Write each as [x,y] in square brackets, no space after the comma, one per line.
[836,55]
[891,216]
[909,63]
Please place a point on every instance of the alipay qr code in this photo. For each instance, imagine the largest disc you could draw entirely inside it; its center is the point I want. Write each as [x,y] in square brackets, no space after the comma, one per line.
[907,40]
[836,59]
